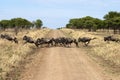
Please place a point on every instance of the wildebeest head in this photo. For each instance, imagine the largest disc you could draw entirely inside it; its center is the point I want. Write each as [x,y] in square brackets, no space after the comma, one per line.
[28,39]
[25,37]
[15,40]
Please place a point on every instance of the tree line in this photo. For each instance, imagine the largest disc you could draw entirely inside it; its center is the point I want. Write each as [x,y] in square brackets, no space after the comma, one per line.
[111,20]
[18,23]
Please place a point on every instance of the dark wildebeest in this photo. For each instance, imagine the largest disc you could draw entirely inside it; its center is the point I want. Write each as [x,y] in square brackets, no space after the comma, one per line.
[111,38]
[9,38]
[85,40]
[42,41]
[59,41]
[107,38]
[63,41]
[2,36]
[69,41]
[28,39]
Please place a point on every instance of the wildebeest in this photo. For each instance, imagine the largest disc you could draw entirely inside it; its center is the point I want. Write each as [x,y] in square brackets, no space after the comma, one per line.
[85,40]
[42,41]
[111,38]
[107,38]
[28,39]
[9,38]
[59,41]
[69,41]
[66,42]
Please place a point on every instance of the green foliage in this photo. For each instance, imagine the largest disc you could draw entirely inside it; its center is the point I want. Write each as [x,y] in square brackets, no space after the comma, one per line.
[38,23]
[5,23]
[90,23]
[116,22]
[112,21]
[111,14]
[19,23]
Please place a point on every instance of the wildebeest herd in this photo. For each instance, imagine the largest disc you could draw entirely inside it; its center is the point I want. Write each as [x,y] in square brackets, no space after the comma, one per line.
[60,41]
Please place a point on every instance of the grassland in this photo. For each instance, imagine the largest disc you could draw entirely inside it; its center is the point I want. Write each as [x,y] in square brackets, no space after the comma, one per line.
[106,54]
[11,54]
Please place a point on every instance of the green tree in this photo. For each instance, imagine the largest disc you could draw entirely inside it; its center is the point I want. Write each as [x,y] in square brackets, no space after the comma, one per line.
[90,23]
[111,14]
[69,25]
[5,24]
[99,23]
[18,23]
[38,23]
[116,24]
[112,20]
[0,25]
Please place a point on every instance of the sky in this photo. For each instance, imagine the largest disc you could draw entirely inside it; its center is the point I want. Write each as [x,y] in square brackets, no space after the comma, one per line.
[56,13]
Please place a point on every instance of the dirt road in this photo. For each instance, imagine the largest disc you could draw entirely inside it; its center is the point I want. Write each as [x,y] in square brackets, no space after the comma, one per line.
[59,63]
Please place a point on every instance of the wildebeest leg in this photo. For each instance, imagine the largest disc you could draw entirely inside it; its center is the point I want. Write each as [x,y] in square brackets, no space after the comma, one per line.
[16,41]
[37,45]
[52,43]
[60,44]
[49,45]
[71,43]
[68,45]
[76,44]
[87,43]
[55,44]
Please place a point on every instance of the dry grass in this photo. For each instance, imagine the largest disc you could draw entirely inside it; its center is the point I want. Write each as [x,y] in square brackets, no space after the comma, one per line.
[108,53]
[11,54]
